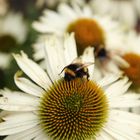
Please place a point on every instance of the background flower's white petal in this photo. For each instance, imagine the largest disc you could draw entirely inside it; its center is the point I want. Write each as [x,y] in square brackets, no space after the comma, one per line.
[87,11]
[118,88]
[70,50]
[108,79]
[51,22]
[111,67]
[54,57]
[53,16]
[120,62]
[41,27]
[14,20]
[38,49]
[4,60]
[88,57]
[77,9]
[33,70]
[136,110]
[67,11]
[137,4]
[126,8]
[17,122]
[17,101]
[27,86]
[28,134]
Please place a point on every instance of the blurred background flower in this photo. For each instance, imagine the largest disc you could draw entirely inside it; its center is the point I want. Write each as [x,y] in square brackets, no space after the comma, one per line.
[126,11]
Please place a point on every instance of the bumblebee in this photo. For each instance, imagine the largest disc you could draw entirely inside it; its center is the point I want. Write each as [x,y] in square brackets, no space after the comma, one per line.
[101,52]
[76,70]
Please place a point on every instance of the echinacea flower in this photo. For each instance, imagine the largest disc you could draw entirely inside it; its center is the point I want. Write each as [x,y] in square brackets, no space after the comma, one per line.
[119,9]
[13,31]
[90,29]
[52,108]
[130,52]
[100,32]
[53,3]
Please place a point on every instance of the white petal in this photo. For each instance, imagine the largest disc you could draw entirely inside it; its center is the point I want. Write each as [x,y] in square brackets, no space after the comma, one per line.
[105,136]
[120,61]
[127,8]
[65,10]
[33,70]
[70,48]
[55,61]
[126,118]
[121,131]
[88,57]
[127,100]
[41,27]
[42,136]
[28,86]
[17,101]
[18,116]
[87,11]
[51,16]
[5,59]
[118,88]
[26,135]
[17,123]
[11,107]
[108,79]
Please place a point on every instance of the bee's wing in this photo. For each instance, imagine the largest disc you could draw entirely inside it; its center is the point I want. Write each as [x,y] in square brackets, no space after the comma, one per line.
[85,65]
[77,60]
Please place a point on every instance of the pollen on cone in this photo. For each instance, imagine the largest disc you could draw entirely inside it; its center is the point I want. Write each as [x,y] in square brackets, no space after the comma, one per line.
[73,110]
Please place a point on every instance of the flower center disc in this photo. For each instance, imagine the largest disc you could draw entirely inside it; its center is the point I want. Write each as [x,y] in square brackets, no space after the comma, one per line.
[87,33]
[133,72]
[73,110]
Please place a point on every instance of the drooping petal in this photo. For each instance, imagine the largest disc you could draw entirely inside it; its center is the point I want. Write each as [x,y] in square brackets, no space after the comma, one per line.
[33,70]
[28,134]
[17,101]
[17,122]
[27,86]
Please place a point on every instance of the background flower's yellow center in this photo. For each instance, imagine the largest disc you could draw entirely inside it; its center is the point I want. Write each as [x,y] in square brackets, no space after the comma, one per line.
[133,72]
[87,33]
[73,110]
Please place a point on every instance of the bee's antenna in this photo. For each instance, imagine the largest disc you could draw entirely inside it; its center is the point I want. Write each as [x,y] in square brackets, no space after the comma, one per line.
[62,70]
